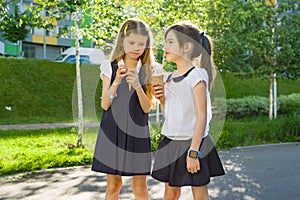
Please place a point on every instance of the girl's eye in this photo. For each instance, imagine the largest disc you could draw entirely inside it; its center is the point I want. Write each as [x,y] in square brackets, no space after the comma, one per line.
[132,43]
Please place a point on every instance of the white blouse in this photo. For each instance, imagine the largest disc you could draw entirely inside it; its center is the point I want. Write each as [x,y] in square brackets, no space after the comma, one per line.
[180,108]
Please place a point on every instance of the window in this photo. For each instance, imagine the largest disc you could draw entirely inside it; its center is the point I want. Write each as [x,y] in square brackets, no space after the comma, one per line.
[29,52]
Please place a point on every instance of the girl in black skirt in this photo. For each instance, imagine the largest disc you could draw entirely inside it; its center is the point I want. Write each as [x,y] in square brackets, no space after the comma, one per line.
[187,156]
[123,144]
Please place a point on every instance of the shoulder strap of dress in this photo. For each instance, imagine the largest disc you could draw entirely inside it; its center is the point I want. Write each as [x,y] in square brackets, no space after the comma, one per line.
[169,77]
[114,67]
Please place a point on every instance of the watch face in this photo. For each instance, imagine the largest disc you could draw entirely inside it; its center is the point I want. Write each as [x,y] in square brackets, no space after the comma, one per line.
[193,154]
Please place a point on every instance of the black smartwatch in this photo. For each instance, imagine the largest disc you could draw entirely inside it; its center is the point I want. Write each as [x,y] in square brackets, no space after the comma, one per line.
[194,153]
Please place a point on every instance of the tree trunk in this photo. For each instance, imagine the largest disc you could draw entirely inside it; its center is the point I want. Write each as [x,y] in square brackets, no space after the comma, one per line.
[271,98]
[275,95]
[79,91]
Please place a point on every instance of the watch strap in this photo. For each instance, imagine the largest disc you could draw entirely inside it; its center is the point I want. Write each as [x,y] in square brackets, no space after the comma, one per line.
[194,153]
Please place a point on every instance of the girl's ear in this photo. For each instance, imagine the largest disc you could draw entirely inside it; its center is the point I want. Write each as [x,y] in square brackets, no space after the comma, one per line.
[187,47]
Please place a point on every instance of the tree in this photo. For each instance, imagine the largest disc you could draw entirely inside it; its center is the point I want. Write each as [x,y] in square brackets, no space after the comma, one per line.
[256,40]
[60,9]
[15,24]
[286,38]
[104,17]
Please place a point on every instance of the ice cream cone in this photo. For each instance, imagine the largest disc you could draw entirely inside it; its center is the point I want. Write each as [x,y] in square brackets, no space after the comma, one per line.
[160,81]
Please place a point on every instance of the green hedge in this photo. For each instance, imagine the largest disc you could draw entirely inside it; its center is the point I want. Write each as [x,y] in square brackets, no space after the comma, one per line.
[259,106]
[249,131]
[289,104]
[259,130]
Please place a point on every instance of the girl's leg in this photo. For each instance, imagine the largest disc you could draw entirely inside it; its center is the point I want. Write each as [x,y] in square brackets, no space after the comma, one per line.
[113,188]
[171,193]
[200,193]
[139,187]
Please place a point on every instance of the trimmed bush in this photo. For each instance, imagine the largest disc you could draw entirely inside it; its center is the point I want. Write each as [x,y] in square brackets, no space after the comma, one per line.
[259,106]
[247,107]
[259,130]
[289,104]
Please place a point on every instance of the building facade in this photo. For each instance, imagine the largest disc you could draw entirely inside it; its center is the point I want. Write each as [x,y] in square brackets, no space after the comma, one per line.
[41,43]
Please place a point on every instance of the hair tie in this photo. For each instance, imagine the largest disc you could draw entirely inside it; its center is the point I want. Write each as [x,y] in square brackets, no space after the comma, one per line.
[205,42]
[125,29]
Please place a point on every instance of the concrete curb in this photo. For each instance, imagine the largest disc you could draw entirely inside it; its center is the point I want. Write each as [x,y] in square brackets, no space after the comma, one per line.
[46,126]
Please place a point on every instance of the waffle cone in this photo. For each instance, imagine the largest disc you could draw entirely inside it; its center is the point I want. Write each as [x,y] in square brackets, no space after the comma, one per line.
[158,79]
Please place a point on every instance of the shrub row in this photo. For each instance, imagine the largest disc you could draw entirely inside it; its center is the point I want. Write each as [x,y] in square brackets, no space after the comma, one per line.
[259,106]
[259,130]
[248,131]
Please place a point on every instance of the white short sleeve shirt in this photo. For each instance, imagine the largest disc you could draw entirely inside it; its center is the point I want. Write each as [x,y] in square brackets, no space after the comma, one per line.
[180,108]
[105,69]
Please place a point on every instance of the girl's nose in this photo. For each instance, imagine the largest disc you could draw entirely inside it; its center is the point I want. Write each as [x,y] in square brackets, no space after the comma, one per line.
[136,47]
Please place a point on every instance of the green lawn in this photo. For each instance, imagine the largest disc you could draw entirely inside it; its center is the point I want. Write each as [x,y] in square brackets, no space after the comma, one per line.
[40,91]
[238,87]
[25,151]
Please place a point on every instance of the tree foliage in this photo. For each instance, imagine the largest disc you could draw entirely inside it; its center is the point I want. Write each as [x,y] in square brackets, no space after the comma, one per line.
[250,37]
[287,38]
[15,24]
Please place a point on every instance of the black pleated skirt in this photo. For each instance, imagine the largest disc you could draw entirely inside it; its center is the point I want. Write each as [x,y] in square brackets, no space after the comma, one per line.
[170,163]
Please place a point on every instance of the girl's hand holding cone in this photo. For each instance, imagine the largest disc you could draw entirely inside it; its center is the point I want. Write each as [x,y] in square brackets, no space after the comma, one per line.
[132,79]
[158,82]
[158,92]
[120,73]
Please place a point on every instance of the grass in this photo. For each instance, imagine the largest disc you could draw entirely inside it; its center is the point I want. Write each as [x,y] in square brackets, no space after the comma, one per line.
[238,87]
[41,91]
[23,151]
[26,151]
[259,130]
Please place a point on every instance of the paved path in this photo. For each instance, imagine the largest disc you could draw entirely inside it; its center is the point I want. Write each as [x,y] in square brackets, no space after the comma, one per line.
[259,172]
[152,119]
[45,126]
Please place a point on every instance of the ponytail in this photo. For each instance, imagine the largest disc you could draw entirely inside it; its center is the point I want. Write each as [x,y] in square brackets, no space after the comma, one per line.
[206,60]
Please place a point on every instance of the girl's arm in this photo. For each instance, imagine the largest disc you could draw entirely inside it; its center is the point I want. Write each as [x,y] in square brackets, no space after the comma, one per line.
[145,101]
[199,90]
[158,91]
[132,78]
[109,91]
